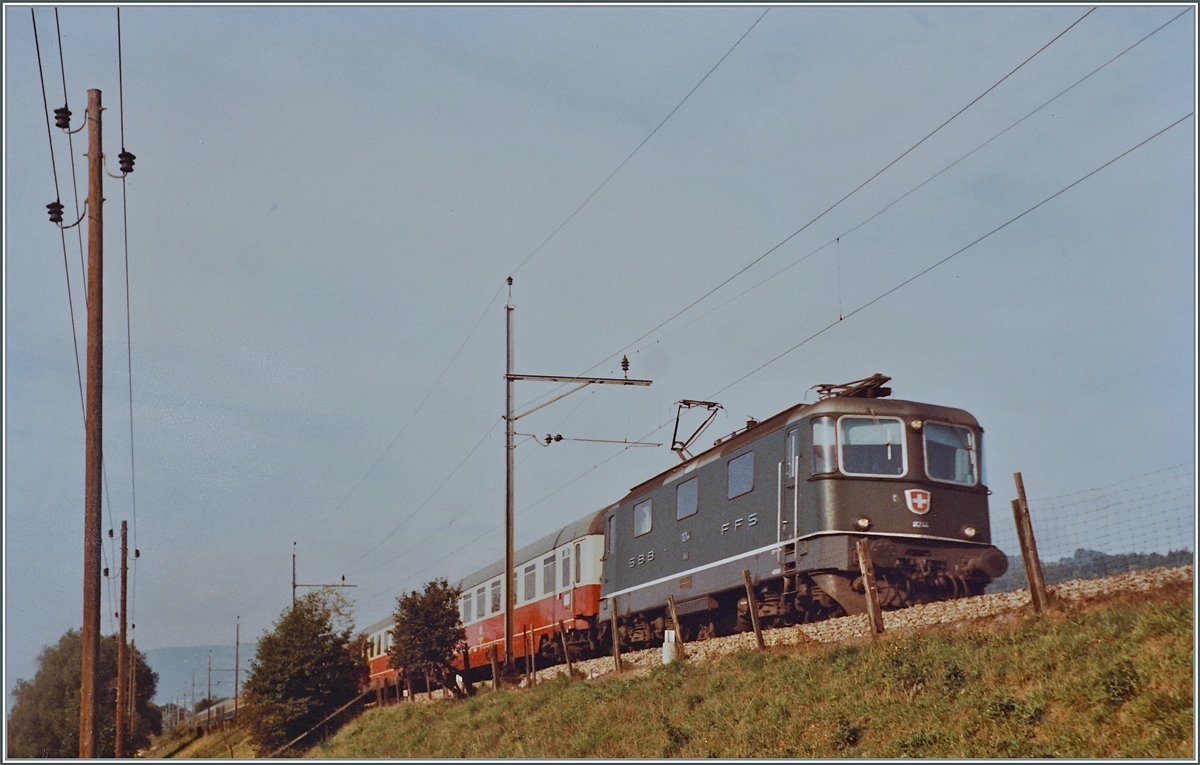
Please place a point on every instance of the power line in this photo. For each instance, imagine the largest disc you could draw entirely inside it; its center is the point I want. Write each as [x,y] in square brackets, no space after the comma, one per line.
[639,146]
[851,193]
[128,320]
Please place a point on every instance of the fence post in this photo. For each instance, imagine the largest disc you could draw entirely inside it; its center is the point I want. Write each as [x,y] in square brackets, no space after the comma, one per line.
[495,667]
[752,604]
[1033,564]
[562,634]
[675,619]
[616,639]
[532,657]
[867,567]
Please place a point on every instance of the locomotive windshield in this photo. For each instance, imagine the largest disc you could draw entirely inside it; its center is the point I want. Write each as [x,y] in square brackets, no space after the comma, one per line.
[872,446]
[950,453]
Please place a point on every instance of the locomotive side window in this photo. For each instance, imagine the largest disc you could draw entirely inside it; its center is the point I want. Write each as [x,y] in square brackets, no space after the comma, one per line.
[549,573]
[687,496]
[612,534]
[741,475]
[530,581]
[643,519]
[872,446]
[950,453]
[824,445]
[495,597]
[479,602]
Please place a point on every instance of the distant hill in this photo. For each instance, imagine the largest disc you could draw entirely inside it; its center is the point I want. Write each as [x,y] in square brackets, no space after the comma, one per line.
[1088,564]
[176,665]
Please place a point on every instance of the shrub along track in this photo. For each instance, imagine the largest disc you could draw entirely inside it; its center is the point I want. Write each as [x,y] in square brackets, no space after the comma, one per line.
[1002,606]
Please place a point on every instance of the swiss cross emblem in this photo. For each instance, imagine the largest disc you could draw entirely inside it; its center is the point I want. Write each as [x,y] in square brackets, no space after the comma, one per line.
[918,500]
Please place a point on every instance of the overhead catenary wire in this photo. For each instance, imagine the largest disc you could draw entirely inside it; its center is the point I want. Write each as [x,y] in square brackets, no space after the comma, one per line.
[408,422]
[470,506]
[876,299]
[829,209]
[639,146]
[916,188]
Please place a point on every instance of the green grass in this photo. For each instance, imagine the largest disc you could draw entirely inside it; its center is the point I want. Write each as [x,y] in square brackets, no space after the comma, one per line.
[1110,679]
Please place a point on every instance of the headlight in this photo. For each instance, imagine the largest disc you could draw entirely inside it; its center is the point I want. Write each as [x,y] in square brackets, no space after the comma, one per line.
[969,532]
[864,523]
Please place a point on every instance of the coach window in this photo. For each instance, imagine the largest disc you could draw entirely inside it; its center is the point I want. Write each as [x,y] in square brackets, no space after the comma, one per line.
[549,573]
[578,562]
[950,453]
[687,498]
[479,602]
[530,581]
[824,446]
[466,608]
[643,518]
[566,556]
[495,596]
[741,475]
[872,446]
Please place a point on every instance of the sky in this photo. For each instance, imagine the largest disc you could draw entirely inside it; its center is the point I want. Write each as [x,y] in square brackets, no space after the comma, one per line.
[327,202]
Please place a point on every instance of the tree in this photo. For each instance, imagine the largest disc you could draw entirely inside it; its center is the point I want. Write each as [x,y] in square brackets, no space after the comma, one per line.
[303,670]
[45,720]
[428,633]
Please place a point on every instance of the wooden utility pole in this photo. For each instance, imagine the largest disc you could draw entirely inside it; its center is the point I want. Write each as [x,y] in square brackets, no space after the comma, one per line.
[90,661]
[122,656]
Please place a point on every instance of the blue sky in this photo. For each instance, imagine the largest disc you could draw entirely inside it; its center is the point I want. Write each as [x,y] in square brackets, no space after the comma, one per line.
[327,201]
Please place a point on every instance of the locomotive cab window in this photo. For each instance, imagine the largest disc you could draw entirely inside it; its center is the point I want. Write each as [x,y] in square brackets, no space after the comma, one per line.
[643,518]
[824,446]
[872,446]
[950,453]
[741,475]
[687,496]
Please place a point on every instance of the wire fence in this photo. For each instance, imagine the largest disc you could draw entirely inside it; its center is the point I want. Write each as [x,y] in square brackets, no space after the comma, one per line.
[1140,523]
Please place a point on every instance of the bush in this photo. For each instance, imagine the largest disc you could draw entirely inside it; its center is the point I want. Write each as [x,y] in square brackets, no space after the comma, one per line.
[45,720]
[304,670]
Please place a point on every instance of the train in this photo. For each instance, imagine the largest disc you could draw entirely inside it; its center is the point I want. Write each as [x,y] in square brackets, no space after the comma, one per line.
[786,500]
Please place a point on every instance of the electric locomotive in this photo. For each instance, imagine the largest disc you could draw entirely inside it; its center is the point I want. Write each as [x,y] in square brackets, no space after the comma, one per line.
[787,499]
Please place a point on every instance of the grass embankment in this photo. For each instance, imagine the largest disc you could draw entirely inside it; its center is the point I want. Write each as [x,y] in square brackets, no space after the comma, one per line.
[224,744]
[1110,678]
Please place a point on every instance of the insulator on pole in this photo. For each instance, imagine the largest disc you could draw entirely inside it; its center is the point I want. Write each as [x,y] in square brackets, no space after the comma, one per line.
[125,161]
[625,365]
[56,210]
[62,117]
